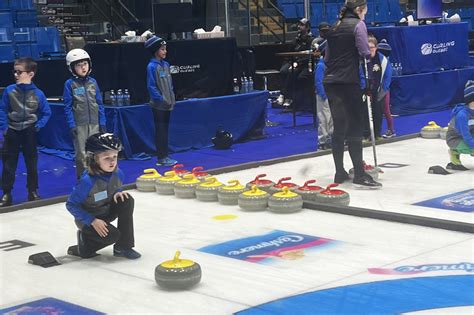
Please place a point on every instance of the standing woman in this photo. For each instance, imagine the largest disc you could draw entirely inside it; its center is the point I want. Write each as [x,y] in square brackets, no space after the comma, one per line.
[347,44]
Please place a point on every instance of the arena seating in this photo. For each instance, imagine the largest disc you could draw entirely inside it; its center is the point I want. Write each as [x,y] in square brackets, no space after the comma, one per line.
[20,35]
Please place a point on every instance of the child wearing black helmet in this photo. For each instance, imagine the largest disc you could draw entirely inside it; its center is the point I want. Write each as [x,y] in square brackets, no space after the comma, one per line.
[162,98]
[98,199]
[84,108]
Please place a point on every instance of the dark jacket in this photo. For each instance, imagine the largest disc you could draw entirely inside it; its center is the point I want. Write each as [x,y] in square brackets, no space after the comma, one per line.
[92,195]
[160,85]
[346,44]
[83,102]
[22,106]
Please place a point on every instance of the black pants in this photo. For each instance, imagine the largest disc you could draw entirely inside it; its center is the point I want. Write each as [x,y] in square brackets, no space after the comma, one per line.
[17,141]
[122,235]
[293,80]
[162,123]
[377,115]
[347,111]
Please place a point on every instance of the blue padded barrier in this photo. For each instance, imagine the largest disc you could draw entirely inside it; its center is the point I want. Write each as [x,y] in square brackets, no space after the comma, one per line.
[299,10]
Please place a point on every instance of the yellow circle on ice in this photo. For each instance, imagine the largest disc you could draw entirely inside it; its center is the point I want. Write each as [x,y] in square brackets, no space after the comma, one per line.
[224,217]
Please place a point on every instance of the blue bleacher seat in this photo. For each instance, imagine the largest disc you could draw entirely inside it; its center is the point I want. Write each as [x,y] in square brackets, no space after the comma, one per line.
[7,52]
[26,18]
[21,4]
[24,34]
[27,50]
[47,40]
[4,4]
[6,19]
[5,35]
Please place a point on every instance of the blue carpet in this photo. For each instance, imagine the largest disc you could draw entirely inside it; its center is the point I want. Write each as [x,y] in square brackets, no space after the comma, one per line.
[57,176]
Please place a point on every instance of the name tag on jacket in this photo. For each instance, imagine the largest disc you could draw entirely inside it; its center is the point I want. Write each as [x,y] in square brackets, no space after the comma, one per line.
[101,195]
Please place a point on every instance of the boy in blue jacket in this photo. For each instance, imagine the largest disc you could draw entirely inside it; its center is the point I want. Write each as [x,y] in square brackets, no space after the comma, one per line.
[24,111]
[460,135]
[84,108]
[325,126]
[162,98]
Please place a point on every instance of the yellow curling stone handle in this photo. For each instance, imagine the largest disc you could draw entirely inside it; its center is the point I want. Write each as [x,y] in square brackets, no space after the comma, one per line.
[177,263]
[150,173]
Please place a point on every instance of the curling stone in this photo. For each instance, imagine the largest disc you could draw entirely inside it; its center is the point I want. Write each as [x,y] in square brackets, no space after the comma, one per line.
[207,191]
[229,194]
[285,201]
[199,174]
[146,182]
[369,169]
[334,196]
[186,188]
[263,184]
[430,131]
[278,186]
[165,184]
[178,171]
[309,192]
[178,274]
[443,132]
[253,199]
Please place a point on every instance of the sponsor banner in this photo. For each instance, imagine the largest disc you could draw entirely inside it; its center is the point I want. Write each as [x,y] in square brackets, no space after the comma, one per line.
[411,270]
[276,244]
[461,201]
[48,306]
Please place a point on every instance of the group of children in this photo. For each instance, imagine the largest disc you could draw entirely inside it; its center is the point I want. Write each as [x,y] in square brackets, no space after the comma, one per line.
[97,198]
[379,77]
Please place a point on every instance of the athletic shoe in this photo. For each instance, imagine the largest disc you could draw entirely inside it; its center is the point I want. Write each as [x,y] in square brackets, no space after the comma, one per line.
[366,182]
[167,161]
[456,167]
[389,134]
[280,99]
[340,178]
[127,253]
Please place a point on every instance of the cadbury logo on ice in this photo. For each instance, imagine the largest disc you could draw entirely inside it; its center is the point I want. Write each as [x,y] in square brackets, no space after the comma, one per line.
[410,270]
[277,243]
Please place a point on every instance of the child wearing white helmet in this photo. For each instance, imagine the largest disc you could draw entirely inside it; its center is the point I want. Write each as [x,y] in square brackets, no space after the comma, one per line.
[83,104]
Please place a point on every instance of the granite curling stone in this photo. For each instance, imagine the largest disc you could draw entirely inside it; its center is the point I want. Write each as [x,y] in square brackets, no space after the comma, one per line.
[253,199]
[333,196]
[186,188]
[146,182]
[285,201]
[263,184]
[178,274]
[178,171]
[308,192]
[199,174]
[443,132]
[430,131]
[281,183]
[229,194]
[165,184]
[207,191]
